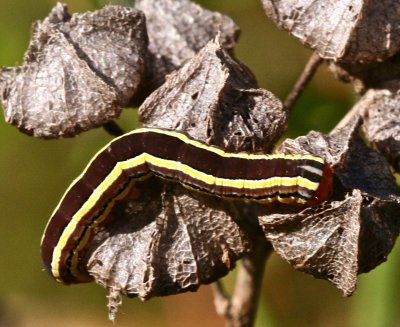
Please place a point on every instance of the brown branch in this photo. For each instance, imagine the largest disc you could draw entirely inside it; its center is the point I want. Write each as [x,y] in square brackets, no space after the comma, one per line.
[221,299]
[305,77]
[240,310]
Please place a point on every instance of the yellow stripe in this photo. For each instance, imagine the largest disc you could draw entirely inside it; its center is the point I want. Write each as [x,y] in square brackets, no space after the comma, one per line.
[86,237]
[88,205]
[236,183]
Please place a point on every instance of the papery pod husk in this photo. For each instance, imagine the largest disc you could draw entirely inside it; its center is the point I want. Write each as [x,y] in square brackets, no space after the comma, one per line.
[357,229]
[77,73]
[177,30]
[346,31]
[172,240]
[380,109]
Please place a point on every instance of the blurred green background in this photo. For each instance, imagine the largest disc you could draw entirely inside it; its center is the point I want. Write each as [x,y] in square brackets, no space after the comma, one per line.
[34,174]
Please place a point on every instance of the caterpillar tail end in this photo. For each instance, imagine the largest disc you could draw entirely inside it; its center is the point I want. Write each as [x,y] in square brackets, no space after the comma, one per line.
[324,189]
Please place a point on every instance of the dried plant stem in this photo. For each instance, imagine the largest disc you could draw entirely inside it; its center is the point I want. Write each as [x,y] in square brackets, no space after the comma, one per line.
[240,309]
[305,77]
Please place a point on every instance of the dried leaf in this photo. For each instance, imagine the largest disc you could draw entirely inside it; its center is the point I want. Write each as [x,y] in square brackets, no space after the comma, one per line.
[346,31]
[77,72]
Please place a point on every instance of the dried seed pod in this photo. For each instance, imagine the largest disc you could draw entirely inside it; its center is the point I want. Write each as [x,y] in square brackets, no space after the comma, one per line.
[380,109]
[177,30]
[171,240]
[166,242]
[376,75]
[346,31]
[77,73]
[320,241]
[115,41]
[351,235]
[220,94]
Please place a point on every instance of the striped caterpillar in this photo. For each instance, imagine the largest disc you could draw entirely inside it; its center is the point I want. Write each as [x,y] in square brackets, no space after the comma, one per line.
[135,156]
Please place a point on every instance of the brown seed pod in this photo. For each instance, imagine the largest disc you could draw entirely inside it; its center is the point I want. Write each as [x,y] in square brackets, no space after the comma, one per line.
[349,31]
[171,240]
[177,30]
[77,73]
[355,232]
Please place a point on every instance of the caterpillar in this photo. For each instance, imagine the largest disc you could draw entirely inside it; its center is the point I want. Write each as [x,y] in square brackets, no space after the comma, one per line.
[145,152]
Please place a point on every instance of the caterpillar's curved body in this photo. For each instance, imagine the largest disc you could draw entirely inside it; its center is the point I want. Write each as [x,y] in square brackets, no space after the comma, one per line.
[133,157]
